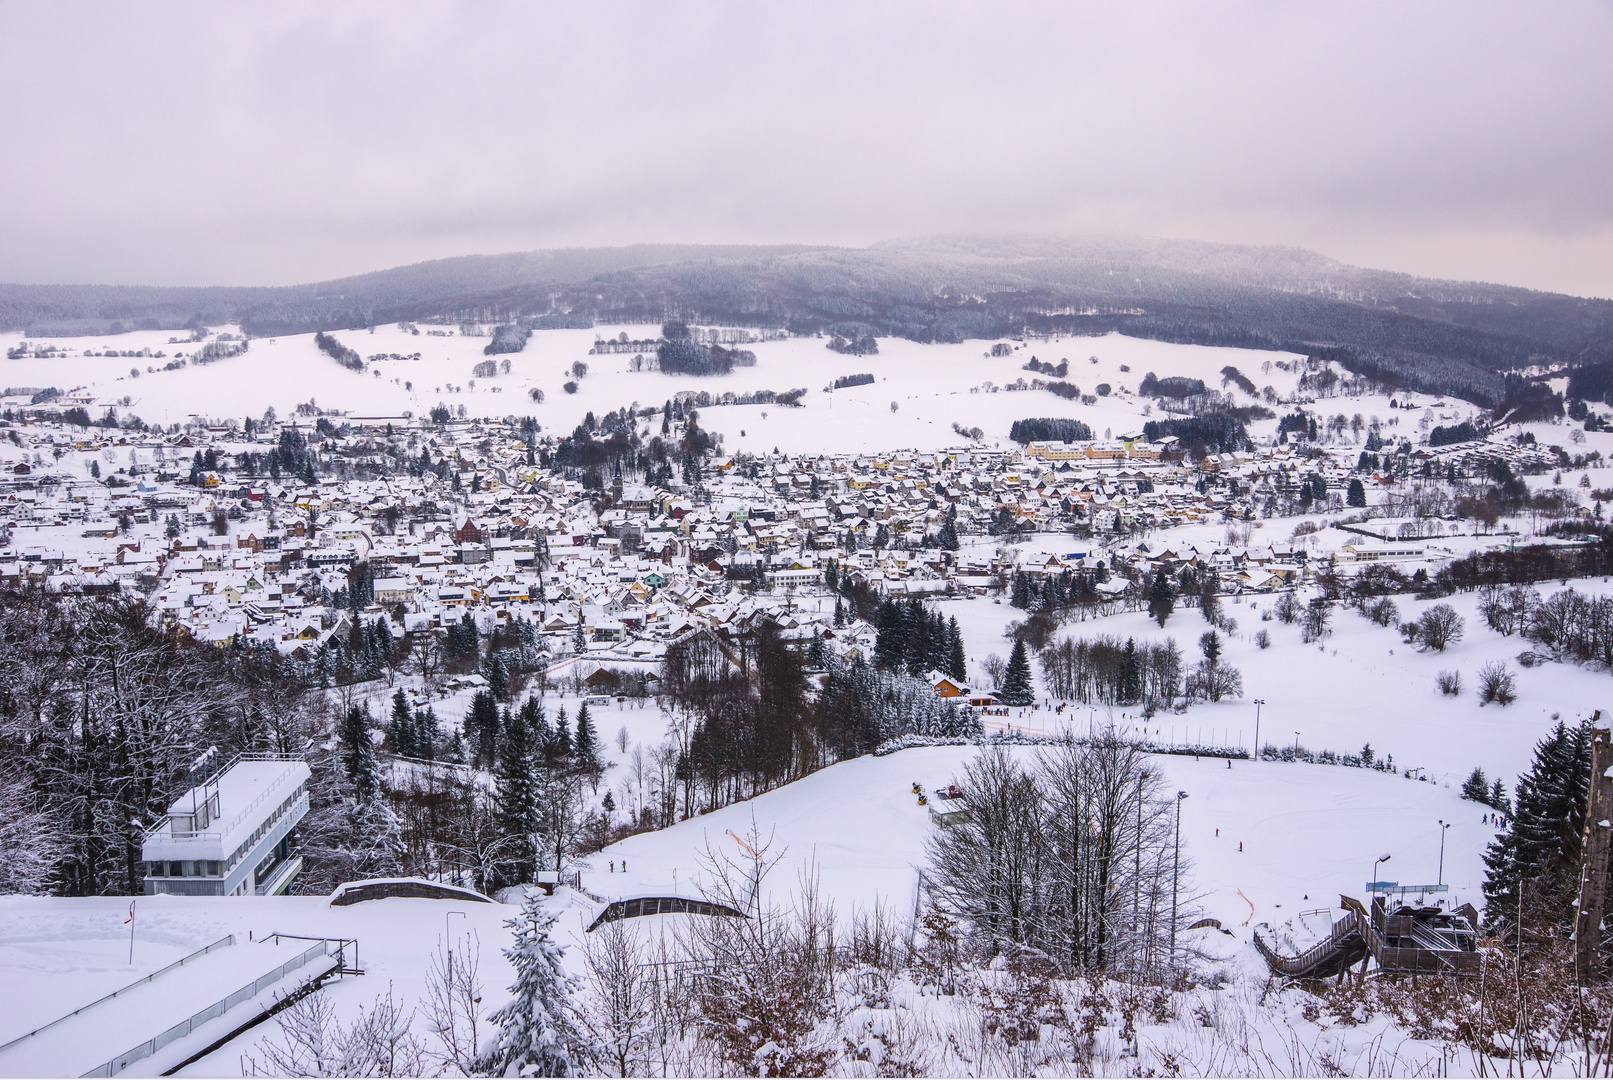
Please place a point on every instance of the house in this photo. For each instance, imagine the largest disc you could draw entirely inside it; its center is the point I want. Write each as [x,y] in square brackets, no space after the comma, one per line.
[234,833]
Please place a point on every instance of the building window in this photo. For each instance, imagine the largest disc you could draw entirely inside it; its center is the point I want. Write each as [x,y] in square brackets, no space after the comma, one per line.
[176,869]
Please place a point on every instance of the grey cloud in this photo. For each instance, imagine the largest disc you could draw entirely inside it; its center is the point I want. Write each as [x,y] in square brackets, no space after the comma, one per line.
[193,143]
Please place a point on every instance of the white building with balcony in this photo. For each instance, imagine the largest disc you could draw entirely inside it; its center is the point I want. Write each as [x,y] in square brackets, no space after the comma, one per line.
[233,834]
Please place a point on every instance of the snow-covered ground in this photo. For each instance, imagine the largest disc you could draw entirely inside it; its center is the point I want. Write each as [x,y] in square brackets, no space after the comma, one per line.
[930,384]
[57,955]
[1308,833]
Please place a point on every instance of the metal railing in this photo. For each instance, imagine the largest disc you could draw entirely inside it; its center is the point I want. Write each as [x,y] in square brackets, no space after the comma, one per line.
[218,1008]
[161,828]
[197,955]
[281,874]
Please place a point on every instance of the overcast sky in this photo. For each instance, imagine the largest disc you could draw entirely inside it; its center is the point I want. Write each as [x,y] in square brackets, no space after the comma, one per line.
[211,143]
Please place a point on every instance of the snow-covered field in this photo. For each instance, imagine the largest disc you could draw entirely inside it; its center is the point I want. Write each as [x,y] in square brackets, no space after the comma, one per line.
[930,384]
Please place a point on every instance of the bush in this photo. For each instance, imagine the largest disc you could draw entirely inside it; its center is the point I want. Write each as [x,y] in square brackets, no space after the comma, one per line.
[536,395]
[1449,683]
[1496,684]
[1263,639]
[570,388]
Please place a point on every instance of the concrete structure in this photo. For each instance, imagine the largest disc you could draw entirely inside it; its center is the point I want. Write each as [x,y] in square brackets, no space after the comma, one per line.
[233,834]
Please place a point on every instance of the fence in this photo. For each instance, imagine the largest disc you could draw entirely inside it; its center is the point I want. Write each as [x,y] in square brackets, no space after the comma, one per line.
[197,955]
[252,989]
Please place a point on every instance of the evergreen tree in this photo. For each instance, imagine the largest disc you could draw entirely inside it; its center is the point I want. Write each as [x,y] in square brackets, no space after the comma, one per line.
[1016,689]
[1476,788]
[890,641]
[536,1033]
[517,795]
[537,722]
[1131,674]
[957,664]
[562,736]
[840,613]
[586,743]
[1356,495]
[579,639]
[1209,587]
[427,732]
[1541,847]
[1498,797]
[498,683]
[947,539]
[1020,594]
[1161,598]
[401,731]
[455,753]
[358,755]
[608,803]
[481,726]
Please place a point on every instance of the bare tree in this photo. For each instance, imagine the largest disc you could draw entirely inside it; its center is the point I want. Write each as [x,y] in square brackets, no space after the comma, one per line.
[619,1009]
[453,1005]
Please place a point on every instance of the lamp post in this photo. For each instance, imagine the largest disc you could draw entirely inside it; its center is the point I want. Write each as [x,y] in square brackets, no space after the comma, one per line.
[1443,825]
[1176,871]
[448,941]
[1375,866]
[1258,702]
[1296,746]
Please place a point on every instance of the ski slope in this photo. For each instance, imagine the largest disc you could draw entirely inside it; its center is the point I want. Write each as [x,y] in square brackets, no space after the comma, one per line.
[1309,833]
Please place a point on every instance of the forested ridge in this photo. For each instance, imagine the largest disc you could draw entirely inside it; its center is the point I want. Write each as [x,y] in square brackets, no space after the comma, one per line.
[1439,336]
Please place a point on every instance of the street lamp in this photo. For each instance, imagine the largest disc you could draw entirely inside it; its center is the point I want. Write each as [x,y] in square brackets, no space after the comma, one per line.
[1258,702]
[1176,871]
[1374,882]
[1443,826]
[1296,746]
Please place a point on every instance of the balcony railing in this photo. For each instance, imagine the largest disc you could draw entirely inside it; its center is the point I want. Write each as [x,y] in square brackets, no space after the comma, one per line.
[163,828]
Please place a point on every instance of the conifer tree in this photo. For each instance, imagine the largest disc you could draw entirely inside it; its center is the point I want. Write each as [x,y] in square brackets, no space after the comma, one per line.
[455,752]
[1016,689]
[537,1035]
[1498,797]
[498,683]
[427,732]
[840,613]
[586,743]
[890,642]
[1131,674]
[401,731]
[358,755]
[481,726]
[957,665]
[1020,594]
[1476,788]
[1210,596]
[517,795]
[562,736]
[1161,598]
[537,722]
[1541,847]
